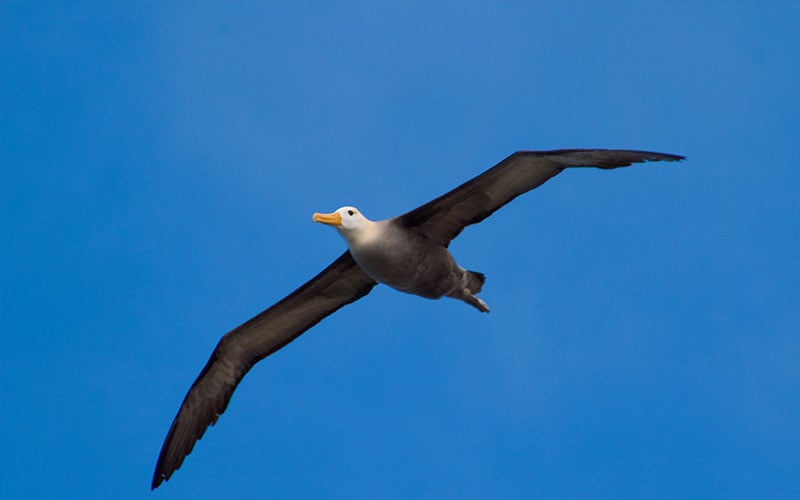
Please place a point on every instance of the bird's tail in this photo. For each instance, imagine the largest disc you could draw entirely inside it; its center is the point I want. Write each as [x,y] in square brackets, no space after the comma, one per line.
[475,281]
[472,284]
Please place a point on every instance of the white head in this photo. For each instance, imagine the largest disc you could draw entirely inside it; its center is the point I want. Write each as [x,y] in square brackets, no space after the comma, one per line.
[349,221]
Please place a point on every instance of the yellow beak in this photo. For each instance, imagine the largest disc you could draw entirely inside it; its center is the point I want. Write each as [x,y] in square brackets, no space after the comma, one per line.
[331,219]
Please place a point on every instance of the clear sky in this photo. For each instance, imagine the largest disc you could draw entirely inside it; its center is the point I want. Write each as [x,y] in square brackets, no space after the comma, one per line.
[160,165]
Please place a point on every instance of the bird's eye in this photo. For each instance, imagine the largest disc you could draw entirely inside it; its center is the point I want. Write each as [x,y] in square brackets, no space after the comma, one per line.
[350,212]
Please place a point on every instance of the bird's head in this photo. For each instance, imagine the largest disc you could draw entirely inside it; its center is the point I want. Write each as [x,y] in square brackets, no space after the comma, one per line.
[349,221]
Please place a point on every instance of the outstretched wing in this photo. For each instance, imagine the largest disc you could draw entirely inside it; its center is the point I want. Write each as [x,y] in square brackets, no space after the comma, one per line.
[339,284]
[443,218]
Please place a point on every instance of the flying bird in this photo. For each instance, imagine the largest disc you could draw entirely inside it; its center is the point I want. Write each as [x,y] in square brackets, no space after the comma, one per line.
[408,252]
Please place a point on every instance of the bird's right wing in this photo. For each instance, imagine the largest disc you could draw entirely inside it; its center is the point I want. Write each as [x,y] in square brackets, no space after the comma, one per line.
[444,217]
[339,284]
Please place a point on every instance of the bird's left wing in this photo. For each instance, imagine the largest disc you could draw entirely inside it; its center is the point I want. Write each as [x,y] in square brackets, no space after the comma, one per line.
[444,217]
[339,284]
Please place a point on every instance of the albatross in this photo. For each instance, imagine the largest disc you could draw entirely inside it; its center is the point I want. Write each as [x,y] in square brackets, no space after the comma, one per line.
[408,253]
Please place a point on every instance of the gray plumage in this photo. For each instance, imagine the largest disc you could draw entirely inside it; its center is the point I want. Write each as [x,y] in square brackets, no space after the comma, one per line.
[408,252]
[409,261]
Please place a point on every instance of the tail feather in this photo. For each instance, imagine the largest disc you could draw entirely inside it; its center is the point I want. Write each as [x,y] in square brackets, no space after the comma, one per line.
[474,285]
[475,281]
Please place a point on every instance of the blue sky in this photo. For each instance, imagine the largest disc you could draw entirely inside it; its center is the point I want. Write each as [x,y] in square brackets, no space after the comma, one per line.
[160,165]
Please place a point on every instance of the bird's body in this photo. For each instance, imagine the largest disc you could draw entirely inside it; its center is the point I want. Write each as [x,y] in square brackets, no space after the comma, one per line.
[404,259]
[418,265]
[408,252]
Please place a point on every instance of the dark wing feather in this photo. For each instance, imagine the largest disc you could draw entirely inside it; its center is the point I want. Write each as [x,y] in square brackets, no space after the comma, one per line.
[339,284]
[443,218]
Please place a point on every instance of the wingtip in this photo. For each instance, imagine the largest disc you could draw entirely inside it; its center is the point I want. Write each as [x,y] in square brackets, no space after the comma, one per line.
[671,157]
[648,156]
[157,480]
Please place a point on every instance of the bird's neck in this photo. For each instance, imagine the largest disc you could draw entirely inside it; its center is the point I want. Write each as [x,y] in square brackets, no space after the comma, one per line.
[357,237]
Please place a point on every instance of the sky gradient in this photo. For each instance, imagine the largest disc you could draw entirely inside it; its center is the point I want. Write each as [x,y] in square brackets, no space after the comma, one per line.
[160,165]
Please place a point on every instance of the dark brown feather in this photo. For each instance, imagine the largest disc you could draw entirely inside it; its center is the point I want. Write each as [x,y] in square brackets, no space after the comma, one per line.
[445,217]
[339,284]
